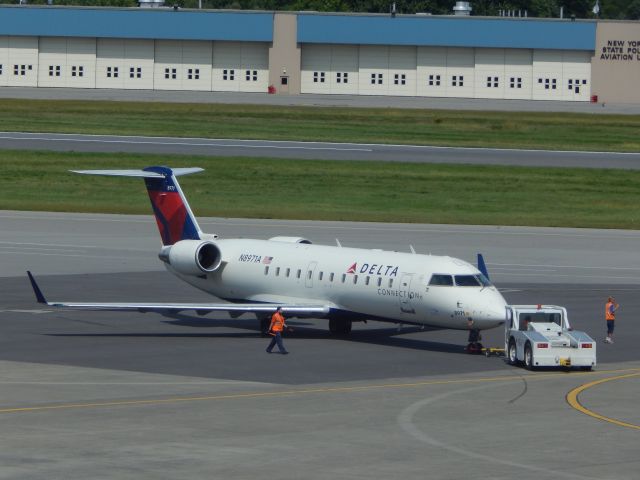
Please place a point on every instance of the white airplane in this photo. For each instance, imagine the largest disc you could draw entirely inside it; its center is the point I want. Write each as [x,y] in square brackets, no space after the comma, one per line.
[338,283]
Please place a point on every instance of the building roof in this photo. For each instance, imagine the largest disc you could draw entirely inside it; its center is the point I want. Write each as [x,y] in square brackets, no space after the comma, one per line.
[144,23]
[451,31]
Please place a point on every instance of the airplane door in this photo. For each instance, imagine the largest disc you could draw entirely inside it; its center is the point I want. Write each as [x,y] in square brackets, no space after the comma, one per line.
[406,295]
[311,270]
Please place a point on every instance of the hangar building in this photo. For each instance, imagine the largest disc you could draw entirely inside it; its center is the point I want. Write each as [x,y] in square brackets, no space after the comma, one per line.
[293,53]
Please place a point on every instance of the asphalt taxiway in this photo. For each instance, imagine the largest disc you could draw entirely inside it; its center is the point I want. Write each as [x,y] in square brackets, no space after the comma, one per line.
[122,395]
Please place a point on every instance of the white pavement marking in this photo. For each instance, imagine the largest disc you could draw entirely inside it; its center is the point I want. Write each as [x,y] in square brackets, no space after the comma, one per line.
[406,421]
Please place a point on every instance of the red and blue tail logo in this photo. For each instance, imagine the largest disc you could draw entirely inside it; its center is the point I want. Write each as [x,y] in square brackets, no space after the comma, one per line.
[173,215]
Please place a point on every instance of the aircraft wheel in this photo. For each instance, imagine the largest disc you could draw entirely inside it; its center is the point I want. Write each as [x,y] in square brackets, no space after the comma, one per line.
[512,355]
[587,368]
[528,357]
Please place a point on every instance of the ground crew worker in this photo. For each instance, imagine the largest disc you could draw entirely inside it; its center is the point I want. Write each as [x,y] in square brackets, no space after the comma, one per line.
[275,329]
[473,345]
[610,316]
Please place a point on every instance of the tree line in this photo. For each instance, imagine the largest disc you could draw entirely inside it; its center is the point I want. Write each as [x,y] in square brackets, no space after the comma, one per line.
[608,9]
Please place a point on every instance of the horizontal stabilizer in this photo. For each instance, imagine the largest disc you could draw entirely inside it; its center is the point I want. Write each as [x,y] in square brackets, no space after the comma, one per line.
[139,173]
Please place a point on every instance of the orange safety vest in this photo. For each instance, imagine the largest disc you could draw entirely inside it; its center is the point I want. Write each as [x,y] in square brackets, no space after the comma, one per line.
[277,322]
[608,314]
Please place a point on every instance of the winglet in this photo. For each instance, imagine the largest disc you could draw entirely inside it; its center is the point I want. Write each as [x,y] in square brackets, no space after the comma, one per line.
[36,289]
[482,267]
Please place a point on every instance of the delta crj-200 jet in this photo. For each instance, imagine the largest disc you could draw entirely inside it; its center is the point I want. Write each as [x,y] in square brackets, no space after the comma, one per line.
[338,283]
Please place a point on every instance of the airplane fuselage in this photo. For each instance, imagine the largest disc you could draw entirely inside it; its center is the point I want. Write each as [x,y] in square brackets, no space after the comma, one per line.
[355,282]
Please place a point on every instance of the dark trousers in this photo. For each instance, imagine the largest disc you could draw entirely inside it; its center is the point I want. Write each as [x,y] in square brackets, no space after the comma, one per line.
[277,339]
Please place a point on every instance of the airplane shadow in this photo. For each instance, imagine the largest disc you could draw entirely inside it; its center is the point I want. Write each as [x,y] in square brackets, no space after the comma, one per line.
[384,336]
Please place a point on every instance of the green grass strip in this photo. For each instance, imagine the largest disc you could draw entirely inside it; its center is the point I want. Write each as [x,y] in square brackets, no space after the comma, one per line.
[562,131]
[333,190]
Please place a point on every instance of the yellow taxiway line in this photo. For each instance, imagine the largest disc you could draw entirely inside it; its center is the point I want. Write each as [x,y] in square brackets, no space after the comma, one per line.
[572,399]
[281,393]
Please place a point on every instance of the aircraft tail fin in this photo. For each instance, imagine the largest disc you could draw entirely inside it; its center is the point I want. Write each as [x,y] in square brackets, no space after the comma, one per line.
[173,215]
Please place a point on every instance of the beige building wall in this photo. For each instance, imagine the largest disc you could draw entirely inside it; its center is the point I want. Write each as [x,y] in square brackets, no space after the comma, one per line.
[615,66]
[284,54]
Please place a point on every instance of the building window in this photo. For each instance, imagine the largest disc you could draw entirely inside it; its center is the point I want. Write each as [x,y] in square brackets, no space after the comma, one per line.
[228,74]
[457,81]
[251,75]
[492,82]
[574,84]
[318,77]
[170,73]
[434,80]
[54,70]
[399,79]
[112,72]
[135,72]
[515,82]
[342,77]
[77,71]
[549,83]
[376,78]
[193,74]
[21,69]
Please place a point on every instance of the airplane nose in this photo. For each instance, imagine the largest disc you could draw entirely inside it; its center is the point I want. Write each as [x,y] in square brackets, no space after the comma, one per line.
[492,312]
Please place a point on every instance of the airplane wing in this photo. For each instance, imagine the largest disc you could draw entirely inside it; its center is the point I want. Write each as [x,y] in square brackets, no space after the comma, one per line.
[199,308]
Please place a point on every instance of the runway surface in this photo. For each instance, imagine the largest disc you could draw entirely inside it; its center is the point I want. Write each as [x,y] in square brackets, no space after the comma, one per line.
[105,395]
[315,150]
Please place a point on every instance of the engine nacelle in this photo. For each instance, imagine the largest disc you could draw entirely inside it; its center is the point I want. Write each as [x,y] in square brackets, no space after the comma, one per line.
[192,257]
[290,240]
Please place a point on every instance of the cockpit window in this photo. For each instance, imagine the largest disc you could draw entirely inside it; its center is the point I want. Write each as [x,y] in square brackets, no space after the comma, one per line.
[484,281]
[467,281]
[441,280]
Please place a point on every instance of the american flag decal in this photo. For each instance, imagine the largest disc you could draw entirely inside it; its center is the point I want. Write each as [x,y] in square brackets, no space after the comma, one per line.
[267,260]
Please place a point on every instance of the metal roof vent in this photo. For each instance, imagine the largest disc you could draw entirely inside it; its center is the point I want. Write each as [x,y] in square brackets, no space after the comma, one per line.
[150,3]
[462,8]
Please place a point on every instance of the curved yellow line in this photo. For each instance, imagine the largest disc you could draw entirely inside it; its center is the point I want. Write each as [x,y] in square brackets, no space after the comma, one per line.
[572,399]
[318,390]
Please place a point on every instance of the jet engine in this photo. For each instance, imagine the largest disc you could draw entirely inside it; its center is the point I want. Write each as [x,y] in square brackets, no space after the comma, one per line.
[192,257]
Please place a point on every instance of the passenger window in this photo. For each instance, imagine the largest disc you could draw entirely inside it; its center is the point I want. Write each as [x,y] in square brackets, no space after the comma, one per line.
[379,281]
[309,273]
[344,277]
[320,276]
[467,281]
[438,280]
[299,273]
[355,279]
[390,282]
[331,277]
[288,272]
[277,271]
[366,280]
[266,270]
